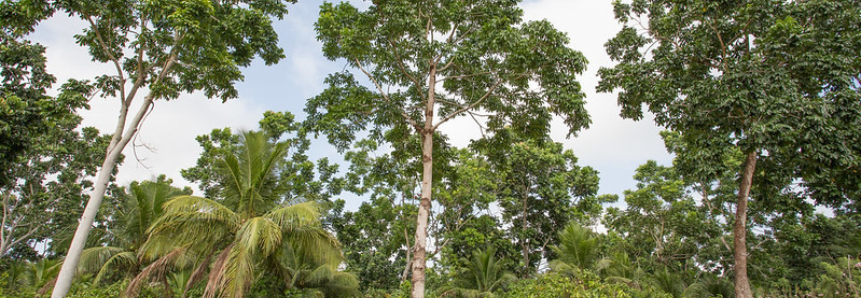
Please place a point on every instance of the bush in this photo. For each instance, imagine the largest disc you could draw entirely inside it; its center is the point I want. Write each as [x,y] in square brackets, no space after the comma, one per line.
[585,285]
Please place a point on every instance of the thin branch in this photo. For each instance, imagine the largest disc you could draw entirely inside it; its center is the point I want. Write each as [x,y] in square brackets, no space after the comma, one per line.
[477,102]
[465,76]
[384,95]
[111,56]
[481,127]
[403,67]
[722,44]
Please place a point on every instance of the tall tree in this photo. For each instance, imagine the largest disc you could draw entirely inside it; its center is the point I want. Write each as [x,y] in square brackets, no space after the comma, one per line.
[162,48]
[776,80]
[47,186]
[25,109]
[431,61]
[541,188]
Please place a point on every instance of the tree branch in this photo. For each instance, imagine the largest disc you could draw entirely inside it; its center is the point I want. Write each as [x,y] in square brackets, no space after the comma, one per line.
[111,56]
[722,44]
[403,67]
[384,95]
[477,102]
[465,76]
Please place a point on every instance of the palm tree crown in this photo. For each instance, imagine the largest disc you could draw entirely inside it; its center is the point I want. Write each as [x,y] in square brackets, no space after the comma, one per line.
[245,230]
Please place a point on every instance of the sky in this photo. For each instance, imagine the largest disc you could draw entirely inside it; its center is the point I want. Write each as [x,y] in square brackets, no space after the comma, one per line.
[166,143]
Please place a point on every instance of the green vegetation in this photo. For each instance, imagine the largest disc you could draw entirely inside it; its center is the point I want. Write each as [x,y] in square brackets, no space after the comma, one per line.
[760,99]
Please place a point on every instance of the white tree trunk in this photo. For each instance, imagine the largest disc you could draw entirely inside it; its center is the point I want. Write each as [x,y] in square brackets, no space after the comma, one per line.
[420,252]
[119,141]
[73,256]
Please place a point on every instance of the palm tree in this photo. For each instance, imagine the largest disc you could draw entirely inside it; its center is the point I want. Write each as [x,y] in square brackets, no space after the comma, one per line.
[36,276]
[578,247]
[244,231]
[313,276]
[141,204]
[483,277]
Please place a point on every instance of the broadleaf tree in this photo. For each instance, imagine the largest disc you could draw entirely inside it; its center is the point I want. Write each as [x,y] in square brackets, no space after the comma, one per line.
[160,49]
[428,62]
[776,80]
[541,189]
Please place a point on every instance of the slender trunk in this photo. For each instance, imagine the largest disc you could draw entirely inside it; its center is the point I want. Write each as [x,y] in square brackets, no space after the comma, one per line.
[407,267]
[742,283]
[524,245]
[420,247]
[4,246]
[73,256]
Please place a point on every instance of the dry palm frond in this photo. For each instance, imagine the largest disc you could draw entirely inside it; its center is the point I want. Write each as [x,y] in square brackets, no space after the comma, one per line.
[156,270]
[197,274]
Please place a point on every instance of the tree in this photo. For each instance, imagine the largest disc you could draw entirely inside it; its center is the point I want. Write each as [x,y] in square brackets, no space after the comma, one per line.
[430,62]
[376,240]
[162,48]
[541,190]
[467,220]
[662,221]
[47,187]
[250,228]
[25,109]
[775,80]
[482,276]
[578,247]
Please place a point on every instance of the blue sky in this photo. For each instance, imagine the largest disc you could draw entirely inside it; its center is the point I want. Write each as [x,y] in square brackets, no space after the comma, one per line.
[613,146]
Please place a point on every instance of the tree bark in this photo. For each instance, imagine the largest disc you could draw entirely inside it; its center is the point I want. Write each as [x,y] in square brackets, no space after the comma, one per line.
[420,247]
[120,139]
[739,232]
[524,245]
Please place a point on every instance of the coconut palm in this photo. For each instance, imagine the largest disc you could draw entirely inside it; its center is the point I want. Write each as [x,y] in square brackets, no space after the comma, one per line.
[140,205]
[241,233]
[483,276]
[311,275]
[36,276]
[578,247]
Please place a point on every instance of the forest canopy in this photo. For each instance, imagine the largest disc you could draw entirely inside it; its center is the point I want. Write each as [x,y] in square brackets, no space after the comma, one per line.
[367,187]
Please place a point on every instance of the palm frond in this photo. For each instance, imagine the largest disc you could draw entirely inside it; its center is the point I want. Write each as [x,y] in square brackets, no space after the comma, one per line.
[314,245]
[298,215]
[93,259]
[319,276]
[126,258]
[216,274]
[259,235]
[183,209]
[238,273]
[198,273]
[155,271]
[577,247]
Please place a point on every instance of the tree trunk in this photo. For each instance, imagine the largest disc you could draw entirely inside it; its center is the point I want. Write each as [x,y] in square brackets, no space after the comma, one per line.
[73,256]
[742,283]
[420,247]
[524,245]
[4,246]
[120,139]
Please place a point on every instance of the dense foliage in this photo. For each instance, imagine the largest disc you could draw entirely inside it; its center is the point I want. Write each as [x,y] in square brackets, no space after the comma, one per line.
[760,99]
